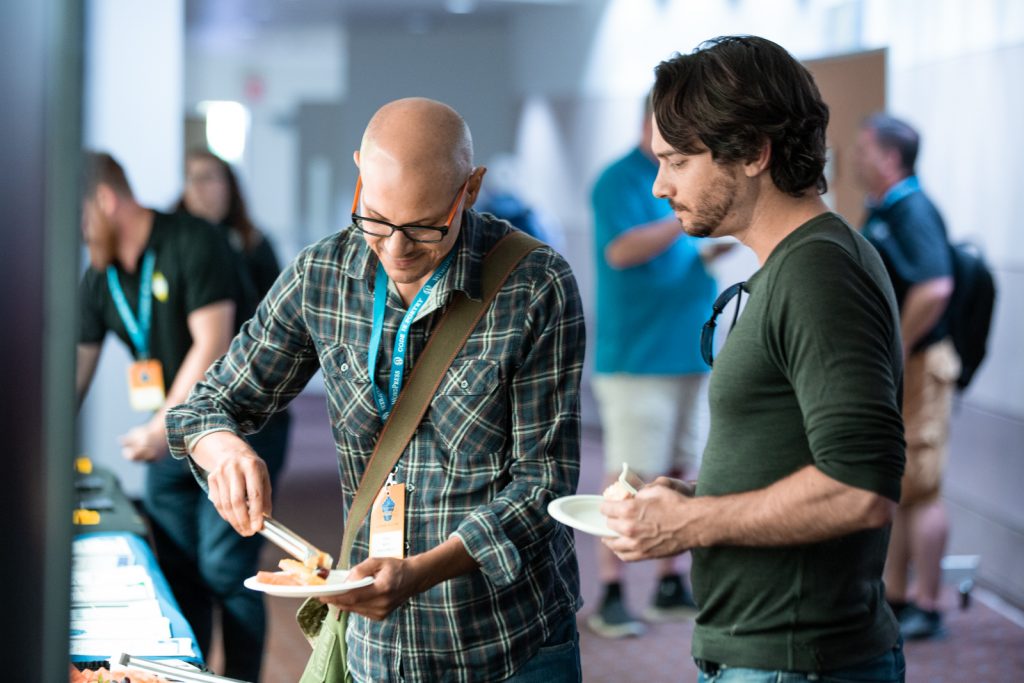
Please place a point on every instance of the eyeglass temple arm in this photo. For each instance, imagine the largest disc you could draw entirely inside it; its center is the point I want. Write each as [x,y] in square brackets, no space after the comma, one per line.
[355,198]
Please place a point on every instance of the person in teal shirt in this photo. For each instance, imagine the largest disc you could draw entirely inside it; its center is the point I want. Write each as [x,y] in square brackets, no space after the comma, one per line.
[653,294]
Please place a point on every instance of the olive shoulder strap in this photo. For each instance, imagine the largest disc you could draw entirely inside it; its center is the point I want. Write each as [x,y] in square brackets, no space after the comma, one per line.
[444,345]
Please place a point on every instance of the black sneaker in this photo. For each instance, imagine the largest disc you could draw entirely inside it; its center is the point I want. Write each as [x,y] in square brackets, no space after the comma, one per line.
[672,601]
[919,624]
[612,619]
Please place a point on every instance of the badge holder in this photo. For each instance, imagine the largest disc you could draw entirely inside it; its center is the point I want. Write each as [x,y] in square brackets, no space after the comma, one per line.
[146,385]
[387,521]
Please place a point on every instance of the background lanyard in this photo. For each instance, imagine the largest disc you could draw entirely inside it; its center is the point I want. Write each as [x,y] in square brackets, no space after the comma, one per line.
[138,329]
[904,188]
[380,294]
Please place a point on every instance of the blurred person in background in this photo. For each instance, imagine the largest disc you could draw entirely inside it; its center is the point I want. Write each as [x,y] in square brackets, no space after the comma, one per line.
[909,233]
[159,282]
[788,522]
[503,197]
[213,193]
[652,290]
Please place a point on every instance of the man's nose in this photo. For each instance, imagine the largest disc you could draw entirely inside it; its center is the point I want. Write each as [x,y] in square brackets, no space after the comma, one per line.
[659,189]
[398,243]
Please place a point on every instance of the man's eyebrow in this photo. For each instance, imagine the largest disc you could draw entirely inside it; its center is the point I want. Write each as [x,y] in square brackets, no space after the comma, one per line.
[421,221]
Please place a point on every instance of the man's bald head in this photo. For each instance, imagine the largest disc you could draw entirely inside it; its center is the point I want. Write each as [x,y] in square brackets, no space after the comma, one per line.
[421,136]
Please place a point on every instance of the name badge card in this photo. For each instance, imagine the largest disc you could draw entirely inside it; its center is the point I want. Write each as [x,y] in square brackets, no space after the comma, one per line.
[146,385]
[387,522]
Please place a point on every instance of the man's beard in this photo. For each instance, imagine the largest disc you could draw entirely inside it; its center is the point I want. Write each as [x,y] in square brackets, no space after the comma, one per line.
[103,248]
[713,205]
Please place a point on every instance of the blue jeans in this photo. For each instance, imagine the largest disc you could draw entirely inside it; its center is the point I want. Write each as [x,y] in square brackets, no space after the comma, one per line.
[886,668]
[557,661]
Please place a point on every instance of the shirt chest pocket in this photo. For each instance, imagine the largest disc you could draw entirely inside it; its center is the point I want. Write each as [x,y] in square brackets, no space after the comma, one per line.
[349,391]
[470,409]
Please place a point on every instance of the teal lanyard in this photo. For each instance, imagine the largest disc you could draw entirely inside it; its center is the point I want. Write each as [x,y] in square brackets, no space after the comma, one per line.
[904,188]
[385,402]
[138,328]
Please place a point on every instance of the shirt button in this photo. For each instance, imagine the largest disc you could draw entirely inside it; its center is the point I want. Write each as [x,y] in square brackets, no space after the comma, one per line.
[465,384]
[344,367]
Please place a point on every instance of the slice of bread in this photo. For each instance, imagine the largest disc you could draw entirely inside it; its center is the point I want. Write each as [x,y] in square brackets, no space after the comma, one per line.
[293,573]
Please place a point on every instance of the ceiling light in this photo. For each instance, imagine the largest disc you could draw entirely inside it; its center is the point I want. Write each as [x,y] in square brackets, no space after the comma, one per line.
[460,6]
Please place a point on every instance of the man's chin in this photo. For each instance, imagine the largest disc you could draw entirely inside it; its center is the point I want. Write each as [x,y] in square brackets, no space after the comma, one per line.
[697,230]
[403,275]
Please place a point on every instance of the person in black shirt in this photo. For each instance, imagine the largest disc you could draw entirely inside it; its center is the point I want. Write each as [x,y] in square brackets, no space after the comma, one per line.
[212,192]
[157,281]
[909,233]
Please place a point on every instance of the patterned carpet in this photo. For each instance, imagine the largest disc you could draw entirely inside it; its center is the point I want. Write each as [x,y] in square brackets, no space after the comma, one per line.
[980,645]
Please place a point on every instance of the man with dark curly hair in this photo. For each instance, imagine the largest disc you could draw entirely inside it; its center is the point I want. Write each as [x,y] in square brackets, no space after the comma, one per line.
[790,516]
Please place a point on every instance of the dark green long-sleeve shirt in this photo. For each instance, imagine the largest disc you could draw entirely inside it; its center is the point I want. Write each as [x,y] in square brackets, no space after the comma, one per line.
[810,375]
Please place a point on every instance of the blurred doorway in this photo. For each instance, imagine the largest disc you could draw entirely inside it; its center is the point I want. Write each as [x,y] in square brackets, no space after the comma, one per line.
[853,86]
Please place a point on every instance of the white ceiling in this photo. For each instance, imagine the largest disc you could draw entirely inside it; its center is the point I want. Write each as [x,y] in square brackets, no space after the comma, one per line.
[213,15]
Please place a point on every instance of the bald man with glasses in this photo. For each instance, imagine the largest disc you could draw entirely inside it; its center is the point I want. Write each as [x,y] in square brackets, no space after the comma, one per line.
[487,586]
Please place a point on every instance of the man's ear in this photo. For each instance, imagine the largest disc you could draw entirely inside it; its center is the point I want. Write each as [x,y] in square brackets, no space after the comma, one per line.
[473,187]
[759,164]
[355,158]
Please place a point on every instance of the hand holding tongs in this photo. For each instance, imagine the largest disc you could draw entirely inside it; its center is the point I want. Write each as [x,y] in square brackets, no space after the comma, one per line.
[296,546]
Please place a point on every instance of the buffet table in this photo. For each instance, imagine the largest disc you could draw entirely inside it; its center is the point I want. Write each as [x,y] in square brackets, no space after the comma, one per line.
[101,505]
[120,600]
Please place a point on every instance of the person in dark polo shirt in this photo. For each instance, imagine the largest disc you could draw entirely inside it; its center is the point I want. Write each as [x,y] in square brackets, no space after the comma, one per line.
[167,287]
[909,233]
[790,516]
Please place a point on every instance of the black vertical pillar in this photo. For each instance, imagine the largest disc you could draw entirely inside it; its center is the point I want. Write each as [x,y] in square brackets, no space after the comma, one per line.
[40,104]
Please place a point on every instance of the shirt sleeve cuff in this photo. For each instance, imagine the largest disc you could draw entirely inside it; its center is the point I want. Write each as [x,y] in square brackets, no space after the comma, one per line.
[192,439]
[190,442]
[487,544]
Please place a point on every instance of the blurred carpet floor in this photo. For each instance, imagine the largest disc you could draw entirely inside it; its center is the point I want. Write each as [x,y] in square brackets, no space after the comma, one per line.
[981,644]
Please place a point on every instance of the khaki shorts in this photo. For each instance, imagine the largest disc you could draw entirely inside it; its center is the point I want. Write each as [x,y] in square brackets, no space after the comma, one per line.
[929,379]
[655,423]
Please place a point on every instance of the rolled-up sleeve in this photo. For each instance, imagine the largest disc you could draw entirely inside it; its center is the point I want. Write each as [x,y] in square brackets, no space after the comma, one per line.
[268,363]
[508,531]
[841,350]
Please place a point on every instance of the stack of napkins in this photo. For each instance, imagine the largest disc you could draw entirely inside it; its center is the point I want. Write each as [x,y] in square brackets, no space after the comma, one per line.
[114,606]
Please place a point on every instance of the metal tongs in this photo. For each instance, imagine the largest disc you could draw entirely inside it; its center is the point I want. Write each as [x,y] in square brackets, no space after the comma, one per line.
[175,673]
[296,546]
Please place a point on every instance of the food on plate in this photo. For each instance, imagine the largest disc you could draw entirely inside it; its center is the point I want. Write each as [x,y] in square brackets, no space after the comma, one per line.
[625,487]
[294,573]
[120,676]
[617,492]
[320,561]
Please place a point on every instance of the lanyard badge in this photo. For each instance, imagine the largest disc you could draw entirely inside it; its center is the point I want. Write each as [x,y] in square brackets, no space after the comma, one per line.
[145,376]
[386,401]
[387,521]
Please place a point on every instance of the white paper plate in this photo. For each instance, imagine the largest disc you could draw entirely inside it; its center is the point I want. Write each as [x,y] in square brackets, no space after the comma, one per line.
[581,512]
[336,584]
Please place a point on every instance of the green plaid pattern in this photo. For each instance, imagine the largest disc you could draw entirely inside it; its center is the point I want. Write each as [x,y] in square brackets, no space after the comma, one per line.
[500,441]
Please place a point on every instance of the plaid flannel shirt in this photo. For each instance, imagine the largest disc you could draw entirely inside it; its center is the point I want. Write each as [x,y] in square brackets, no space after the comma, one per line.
[500,440]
